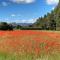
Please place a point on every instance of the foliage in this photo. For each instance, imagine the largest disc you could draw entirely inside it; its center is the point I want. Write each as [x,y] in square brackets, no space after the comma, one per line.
[50,21]
[18,27]
[5,26]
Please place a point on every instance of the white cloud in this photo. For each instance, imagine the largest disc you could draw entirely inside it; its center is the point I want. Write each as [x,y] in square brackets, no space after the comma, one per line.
[26,21]
[52,2]
[18,21]
[22,1]
[29,1]
[13,15]
[4,3]
[53,8]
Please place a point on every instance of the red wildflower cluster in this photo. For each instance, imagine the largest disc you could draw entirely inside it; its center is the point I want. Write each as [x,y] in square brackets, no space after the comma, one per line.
[29,41]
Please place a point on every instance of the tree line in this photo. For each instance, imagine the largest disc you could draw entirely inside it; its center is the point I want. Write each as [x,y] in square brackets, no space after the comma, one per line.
[50,21]
[9,26]
[5,26]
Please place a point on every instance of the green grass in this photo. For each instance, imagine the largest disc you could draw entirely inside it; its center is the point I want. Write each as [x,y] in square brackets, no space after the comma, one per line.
[32,56]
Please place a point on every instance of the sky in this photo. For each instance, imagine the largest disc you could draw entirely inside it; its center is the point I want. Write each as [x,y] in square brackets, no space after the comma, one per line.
[25,11]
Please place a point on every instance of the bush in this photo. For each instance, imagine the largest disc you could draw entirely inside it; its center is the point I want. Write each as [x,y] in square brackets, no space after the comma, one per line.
[5,26]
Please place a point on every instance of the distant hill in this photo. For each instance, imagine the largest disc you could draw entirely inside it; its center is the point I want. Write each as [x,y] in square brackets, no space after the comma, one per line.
[21,24]
[24,24]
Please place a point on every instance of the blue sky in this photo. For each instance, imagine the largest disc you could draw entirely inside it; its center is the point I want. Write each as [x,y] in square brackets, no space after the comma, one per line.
[25,11]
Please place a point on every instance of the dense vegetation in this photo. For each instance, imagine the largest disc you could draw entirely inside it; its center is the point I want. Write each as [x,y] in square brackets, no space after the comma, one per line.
[50,21]
[5,26]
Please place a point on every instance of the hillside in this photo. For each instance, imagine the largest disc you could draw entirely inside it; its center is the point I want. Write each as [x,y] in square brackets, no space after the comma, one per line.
[50,21]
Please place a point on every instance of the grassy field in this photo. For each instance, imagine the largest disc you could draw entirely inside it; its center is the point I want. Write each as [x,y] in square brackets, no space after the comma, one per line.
[29,45]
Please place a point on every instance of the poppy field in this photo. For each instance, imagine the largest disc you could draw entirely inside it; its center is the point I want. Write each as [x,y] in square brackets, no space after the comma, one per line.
[29,45]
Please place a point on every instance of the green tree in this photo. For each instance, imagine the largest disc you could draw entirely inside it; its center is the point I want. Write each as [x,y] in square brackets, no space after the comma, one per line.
[5,26]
